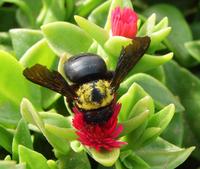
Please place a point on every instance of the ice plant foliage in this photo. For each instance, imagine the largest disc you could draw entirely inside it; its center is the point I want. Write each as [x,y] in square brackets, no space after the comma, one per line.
[99,136]
[124,22]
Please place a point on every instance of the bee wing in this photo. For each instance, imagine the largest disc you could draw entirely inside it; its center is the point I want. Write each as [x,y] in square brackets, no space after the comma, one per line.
[50,79]
[129,56]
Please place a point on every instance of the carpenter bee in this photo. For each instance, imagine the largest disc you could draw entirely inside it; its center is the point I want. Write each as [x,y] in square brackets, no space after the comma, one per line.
[93,87]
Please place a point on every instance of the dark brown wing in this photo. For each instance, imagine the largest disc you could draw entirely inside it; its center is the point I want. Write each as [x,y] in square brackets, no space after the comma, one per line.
[129,56]
[50,79]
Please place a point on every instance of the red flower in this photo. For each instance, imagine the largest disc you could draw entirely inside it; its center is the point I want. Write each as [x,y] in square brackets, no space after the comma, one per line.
[124,22]
[98,136]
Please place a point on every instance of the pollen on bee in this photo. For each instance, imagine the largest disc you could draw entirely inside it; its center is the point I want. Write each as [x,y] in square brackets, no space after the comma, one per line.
[94,95]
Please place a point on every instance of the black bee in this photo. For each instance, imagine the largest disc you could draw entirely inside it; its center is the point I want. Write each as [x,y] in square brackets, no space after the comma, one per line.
[93,86]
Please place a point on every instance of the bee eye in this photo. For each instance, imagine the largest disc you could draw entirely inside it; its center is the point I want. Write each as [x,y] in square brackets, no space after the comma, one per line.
[85,67]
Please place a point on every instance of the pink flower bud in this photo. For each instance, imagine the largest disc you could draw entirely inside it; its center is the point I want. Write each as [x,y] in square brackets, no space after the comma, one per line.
[124,22]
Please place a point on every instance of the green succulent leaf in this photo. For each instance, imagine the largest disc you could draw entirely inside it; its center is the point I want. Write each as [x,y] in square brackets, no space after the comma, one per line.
[154,88]
[6,139]
[65,133]
[133,123]
[158,73]
[148,26]
[73,160]
[157,38]
[99,14]
[39,53]
[23,39]
[175,128]
[13,89]
[153,61]
[67,38]
[161,153]
[53,118]
[32,158]
[87,6]
[193,48]
[28,12]
[161,25]
[114,45]
[162,118]
[105,158]
[52,164]
[130,160]
[21,137]
[8,164]
[32,116]
[187,89]
[76,146]
[149,135]
[51,11]
[132,96]
[178,36]
[96,32]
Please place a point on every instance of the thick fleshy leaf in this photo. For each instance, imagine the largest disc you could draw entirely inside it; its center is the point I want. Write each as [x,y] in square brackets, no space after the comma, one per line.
[67,38]
[161,153]
[21,137]
[106,158]
[52,164]
[53,118]
[114,45]
[73,160]
[7,164]
[66,133]
[158,73]
[161,25]
[130,160]
[134,123]
[178,36]
[87,7]
[76,146]
[154,88]
[148,27]
[157,38]
[96,32]
[162,118]
[193,48]
[149,135]
[32,158]
[28,11]
[23,39]
[40,53]
[187,89]
[6,139]
[132,96]
[13,89]
[153,61]
[175,128]
[99,14]
[32,116]
[52,11]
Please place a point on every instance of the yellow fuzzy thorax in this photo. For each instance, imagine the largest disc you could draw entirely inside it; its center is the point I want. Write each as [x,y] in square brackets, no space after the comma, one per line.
[85,92]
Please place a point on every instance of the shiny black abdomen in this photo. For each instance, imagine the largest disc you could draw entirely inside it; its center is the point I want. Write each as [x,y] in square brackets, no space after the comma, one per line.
[100,115]
[85,67]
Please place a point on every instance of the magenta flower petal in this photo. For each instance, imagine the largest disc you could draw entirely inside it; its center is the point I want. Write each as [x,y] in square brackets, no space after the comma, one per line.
[124,22]
[99,136]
